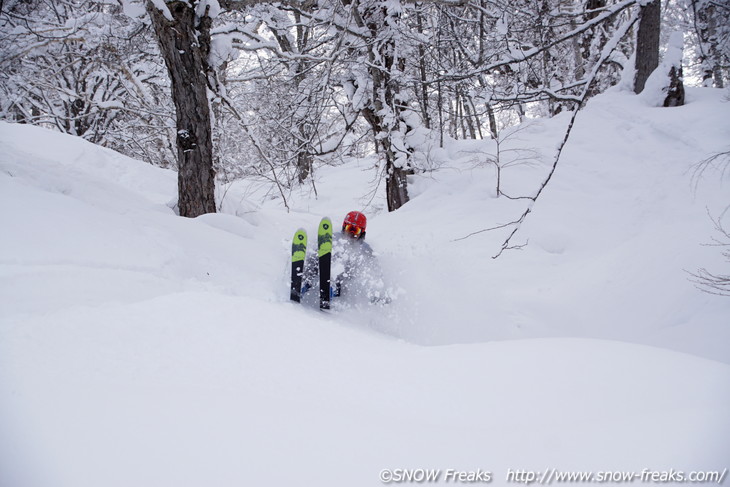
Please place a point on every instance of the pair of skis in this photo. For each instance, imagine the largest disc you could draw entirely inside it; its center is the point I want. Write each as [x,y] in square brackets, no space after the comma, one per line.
[324,254]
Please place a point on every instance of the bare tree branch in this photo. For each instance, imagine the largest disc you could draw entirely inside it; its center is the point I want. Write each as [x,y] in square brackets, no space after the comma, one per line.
[709,282]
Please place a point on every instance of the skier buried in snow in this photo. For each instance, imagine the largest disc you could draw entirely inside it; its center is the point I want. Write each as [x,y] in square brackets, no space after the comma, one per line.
[354,268]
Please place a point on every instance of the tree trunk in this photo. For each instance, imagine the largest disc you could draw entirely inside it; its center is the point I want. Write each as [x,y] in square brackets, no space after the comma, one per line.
[184,48]
[675,94]
[396,187]
[304,161]
[384,112]
[396,184]
[647,43]
[423,95]
[706,23]
[492,122]
[587,47]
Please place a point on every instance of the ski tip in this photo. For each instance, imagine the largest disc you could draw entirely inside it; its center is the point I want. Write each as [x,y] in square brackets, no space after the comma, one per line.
[300,236]
[325,226]
[299,246]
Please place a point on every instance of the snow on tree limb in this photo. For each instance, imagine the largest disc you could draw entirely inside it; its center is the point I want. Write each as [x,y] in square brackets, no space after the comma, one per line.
[161,5]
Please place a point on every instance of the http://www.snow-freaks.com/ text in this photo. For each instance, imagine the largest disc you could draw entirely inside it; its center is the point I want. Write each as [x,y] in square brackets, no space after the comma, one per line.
[549,476]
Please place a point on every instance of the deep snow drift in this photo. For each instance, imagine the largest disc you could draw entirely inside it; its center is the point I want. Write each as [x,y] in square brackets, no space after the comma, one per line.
[140,348]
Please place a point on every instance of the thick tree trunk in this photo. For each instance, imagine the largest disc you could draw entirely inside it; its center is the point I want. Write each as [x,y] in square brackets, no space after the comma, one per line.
[184,49]
[647,43]
[384,113]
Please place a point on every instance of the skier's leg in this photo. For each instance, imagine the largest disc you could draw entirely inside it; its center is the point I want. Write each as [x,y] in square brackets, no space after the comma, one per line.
[337,287]
[311,272]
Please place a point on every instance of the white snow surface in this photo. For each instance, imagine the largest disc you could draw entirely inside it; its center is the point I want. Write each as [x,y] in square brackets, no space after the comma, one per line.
[138,348]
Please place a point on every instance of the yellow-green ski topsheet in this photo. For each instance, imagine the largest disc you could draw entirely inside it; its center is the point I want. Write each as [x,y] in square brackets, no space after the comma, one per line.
[324,237]
[299,246]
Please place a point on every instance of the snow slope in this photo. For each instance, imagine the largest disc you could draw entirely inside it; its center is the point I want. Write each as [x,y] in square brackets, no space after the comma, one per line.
[140,348]
[609,242]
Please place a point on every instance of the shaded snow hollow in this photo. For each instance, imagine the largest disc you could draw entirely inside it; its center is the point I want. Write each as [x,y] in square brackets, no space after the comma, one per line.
[140,348]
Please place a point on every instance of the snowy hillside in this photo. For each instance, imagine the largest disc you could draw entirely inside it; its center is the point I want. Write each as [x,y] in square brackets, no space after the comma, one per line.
[140,348]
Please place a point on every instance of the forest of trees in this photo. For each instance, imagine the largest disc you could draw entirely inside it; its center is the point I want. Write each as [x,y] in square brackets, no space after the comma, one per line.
[227,89]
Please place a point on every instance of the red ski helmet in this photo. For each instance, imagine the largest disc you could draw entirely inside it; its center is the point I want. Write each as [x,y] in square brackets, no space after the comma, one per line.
[355,224]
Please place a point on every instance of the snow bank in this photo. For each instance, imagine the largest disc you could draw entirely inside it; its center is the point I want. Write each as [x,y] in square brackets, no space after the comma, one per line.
[607,245]
[140,348]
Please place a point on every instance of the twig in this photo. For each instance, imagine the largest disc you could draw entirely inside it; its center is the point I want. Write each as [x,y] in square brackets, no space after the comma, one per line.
[486,230]
[706,281]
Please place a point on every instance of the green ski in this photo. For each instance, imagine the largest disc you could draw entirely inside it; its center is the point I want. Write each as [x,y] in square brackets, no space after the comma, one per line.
[324,252]
[298,255]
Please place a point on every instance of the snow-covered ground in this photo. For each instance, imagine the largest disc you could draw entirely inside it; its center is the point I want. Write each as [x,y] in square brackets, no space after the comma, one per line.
[138,348]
